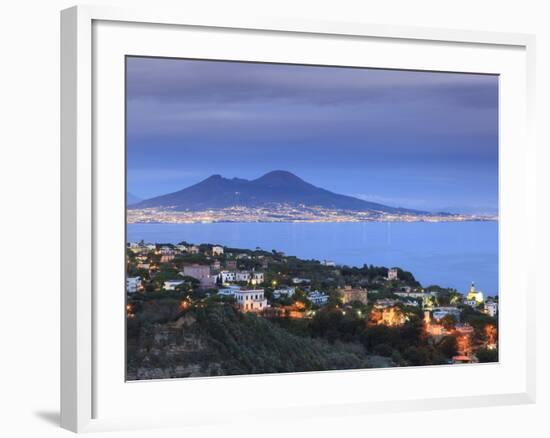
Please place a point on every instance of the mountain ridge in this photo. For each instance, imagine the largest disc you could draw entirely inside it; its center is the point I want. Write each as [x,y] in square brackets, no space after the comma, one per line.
[275,187]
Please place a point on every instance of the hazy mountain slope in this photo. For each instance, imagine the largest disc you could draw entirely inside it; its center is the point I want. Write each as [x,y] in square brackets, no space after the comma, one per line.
[277,187]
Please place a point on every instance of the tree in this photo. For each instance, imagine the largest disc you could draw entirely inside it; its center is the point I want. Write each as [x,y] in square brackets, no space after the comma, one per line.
[485,355]
[448,346]
[416,356]
[383,350]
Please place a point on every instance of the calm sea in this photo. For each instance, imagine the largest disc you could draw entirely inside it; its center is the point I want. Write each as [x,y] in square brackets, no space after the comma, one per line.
[450,254]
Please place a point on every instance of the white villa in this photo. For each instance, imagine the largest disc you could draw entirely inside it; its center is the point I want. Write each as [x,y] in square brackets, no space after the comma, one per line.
[242,276]
[172,284]
[286,291]
[441,312]
[166,250]
[318,298]
[385,303]
[414,294]
[251,300]
[229,291]
[133,284]
[227,276]
[491,308]
[257,278]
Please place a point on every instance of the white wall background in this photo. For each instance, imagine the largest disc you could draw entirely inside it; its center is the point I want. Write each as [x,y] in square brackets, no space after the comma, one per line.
[29,184]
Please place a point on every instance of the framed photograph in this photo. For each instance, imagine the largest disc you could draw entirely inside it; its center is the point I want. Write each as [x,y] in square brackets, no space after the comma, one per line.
[256,208]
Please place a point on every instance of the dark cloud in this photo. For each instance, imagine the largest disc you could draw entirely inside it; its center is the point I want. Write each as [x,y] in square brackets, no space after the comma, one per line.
[223,82]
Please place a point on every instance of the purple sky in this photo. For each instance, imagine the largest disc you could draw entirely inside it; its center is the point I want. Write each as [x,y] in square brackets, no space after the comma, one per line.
[412,139]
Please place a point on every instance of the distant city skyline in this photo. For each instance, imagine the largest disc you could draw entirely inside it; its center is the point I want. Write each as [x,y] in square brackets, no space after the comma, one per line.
[412,139]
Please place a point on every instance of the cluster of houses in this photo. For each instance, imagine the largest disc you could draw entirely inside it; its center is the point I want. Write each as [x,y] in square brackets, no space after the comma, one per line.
[207,275]
[242,285]
[253,300]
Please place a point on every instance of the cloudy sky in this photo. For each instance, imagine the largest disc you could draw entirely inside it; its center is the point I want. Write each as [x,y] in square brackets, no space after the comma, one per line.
[412,139]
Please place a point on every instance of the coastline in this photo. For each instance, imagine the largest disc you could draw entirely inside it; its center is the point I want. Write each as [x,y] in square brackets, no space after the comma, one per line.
[149,216]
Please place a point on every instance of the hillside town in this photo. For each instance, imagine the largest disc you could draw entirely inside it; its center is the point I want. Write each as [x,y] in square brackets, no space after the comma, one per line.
[369,308]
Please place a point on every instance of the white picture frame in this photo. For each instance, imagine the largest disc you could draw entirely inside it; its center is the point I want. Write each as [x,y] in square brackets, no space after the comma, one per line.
[84,184]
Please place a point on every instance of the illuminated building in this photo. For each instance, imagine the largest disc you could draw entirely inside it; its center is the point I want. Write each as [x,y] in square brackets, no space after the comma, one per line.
[165,258]
[349,294]
[393,316]
[251,300]
[491,334]
[389,316]
[166,250]
[474,296]
[257,277]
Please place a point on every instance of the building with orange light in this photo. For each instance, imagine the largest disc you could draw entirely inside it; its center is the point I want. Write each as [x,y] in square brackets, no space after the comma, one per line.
[464,333]
[389,316]
[349,294]
[435,330]
[167,258]
[393,316]
[474,297]
[257,277]
[491,333]
[462,359]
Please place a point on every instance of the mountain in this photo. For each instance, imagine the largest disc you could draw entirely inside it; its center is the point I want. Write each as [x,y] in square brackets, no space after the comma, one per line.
[276,187]
[132,199]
